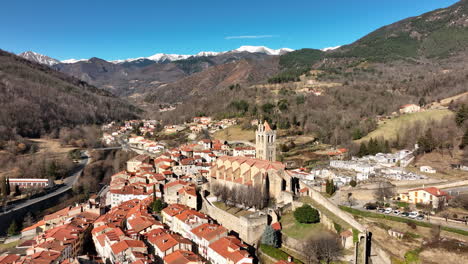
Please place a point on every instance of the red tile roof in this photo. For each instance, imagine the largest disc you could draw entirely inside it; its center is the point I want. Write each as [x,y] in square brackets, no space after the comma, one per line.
[230,248]
[276,226]
[209,231]
[182,257]
[432,190]
[126,244]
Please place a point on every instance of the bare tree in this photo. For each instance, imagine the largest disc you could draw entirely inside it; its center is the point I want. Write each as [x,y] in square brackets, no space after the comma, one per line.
[322,247]
[384,191]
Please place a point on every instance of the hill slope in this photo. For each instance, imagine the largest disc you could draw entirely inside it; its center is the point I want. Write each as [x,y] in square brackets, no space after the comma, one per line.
[215,79]
[37,100]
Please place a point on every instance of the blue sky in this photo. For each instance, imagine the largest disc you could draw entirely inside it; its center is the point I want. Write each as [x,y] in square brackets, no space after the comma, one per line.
[117,29]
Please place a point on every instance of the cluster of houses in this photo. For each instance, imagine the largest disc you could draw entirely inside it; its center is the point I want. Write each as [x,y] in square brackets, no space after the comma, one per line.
[147,145]
[207,123]
[129,233]
[146,127]
[58,237]
[385,165]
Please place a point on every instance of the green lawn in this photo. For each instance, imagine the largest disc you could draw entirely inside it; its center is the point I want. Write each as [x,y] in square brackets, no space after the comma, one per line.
[276,253]
[297,230]
[390,128]
[11,245]
[323,210]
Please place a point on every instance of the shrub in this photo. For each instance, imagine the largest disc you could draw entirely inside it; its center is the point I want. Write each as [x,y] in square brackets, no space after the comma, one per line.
[411,224]
[353,183]
[306,214]
[337,227]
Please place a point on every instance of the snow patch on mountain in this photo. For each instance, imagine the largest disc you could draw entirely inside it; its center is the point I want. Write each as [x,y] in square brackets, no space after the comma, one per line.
[73,61]
[330,48]
[39,58]
[162,57]
[262,49]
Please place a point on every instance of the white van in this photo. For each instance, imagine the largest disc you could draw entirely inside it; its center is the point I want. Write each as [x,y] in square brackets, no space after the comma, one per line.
[413,214]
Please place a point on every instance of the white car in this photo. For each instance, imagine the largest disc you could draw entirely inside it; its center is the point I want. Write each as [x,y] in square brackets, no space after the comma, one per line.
[413,214]
[388,210]
[396,212]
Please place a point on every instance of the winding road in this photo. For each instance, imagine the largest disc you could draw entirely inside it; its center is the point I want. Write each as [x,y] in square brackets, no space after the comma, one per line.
[68,185]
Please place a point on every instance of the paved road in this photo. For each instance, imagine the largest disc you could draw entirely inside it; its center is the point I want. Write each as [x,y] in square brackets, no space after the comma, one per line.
[456,190]
[108,148]
[69,182]
[431,220]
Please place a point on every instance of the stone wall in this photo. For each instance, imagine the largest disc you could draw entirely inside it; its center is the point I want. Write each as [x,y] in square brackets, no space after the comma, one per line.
[250,228]
[316,196]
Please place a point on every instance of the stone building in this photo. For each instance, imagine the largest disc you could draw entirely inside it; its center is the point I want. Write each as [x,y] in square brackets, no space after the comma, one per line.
[265,142]
[232,171]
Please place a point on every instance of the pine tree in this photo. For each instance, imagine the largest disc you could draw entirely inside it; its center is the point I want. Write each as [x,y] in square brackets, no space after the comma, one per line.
[464,141]
[6,187]
[363,150]
[13,228]
[28,220]
[270,237]
[332,187]
[386,148]
[3,187]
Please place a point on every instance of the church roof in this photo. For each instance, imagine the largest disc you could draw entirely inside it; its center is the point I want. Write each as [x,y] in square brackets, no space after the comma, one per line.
[267,126]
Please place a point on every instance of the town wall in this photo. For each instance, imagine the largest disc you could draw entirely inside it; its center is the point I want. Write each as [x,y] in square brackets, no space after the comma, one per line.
[250,228]
[334,209]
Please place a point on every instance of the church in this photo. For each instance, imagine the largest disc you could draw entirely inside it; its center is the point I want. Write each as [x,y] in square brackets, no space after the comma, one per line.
[262,171]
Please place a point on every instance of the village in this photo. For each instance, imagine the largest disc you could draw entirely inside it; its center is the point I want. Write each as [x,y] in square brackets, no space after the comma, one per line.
[213,201]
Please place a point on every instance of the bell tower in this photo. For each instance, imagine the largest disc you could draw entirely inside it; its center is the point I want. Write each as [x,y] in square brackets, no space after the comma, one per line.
[265,138]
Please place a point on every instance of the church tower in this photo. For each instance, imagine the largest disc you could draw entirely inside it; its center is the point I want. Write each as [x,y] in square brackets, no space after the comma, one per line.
[265,142]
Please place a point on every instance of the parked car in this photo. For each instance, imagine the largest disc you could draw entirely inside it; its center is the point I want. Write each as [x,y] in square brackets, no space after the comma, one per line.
[381,210]
[420,217]
[396,212]
[388,210]
[413,214]
[405,214]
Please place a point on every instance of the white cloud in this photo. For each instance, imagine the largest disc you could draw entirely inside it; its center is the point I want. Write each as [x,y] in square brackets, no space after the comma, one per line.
[250,37]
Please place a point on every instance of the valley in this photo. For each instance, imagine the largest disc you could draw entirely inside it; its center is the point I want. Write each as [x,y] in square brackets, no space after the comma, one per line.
[217,149]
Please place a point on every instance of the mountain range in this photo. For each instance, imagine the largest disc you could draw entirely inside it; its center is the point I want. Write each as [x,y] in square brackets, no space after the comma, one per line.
[420,58]
[37,100]
[158,57]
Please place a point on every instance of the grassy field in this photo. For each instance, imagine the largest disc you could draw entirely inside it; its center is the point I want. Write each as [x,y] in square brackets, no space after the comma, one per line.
[322,209]
[232,210]
[11,245]
[389,128]
[297,230]
[235,133]
[276,253]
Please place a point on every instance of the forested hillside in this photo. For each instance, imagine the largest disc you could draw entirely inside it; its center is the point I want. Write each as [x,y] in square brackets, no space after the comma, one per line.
[36,100]
[339,94]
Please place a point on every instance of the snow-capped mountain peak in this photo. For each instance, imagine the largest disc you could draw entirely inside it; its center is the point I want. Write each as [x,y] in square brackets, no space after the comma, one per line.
[39,58]
[163,57]
[262,49]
